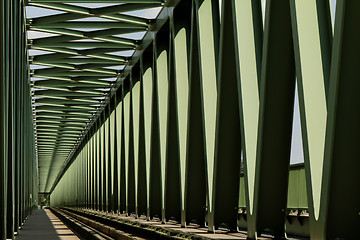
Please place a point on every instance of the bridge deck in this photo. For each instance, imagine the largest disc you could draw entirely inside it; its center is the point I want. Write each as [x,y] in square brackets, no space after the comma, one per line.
[193,230]
[42,224]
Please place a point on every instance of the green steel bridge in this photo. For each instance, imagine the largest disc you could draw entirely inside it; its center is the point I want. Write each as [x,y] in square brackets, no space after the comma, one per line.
[183,116]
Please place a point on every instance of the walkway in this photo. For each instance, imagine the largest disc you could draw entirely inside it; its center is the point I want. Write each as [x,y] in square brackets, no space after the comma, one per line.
[42,224]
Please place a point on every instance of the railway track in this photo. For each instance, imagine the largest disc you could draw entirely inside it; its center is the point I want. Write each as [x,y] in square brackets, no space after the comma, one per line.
[95,226]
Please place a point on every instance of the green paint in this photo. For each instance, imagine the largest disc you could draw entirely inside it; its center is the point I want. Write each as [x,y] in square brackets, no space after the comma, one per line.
[148,91]
[136,126]
[209,87]
[249,89]
[163,92]
[313,91]
[182,92]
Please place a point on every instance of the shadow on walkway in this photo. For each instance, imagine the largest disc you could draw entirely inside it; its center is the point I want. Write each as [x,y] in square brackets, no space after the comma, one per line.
[42,224]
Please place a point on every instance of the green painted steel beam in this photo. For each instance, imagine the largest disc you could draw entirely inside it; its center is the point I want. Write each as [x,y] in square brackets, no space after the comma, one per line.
[51,142]
[65,109]
[127,7]
[77,36]
[61,124]
[46,156]
[56,18]
[95,53]
[80,89]
[69,93]
[90,79]
[50,93]
[58,65]
[59,135]
[74,130]
[57,141]
[54,39]
[117,46]
[44,146]
[93,34]
[55,83]
[110,32]
[114,39]
[97,1]
[95,66]
[37,60]
[275,126]
[73,73]
[73,16]
[62,128]
[58,5]
[53,152]
[64,136]
[66,101]
[64,31]
[55,145]
[91,89]
[98,24]
[69,53]
[61,114]
[60,131]
[43,136]
[126,18]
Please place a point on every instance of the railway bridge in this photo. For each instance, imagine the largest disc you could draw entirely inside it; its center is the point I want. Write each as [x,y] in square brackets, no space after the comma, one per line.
[174,119]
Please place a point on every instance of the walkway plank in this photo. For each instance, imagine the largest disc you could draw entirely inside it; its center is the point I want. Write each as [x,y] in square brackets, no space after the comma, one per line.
[42,224]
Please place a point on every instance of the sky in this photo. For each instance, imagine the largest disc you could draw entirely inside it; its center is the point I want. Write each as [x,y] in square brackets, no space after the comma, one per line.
[296,142]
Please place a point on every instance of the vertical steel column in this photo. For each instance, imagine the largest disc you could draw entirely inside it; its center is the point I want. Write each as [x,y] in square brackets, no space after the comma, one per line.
[168,127]
[119,151]
[109,160]
[94,167]
[115,172]
[121,157]
[88,171]
[277,87]
[10,138]
[196,187]
[228,137]
[103,161]
[82,174]
[341,199]
[179,33]
[312,34]
[147,92]
[129,149]
[208,34]
[155,188]
[22,143]
[141,170]
[3,128]
[18,134]
[135,98]
[97,166]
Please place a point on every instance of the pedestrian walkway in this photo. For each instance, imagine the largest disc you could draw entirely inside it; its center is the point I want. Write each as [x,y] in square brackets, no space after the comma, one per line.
[43,225]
